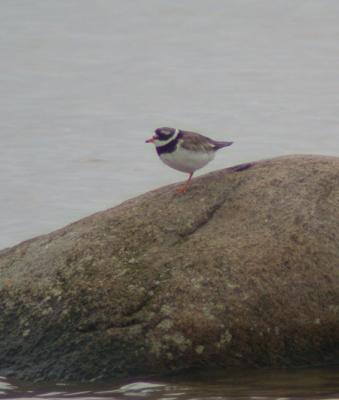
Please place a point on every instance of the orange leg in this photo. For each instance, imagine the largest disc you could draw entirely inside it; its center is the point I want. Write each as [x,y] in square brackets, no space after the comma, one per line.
[183,189]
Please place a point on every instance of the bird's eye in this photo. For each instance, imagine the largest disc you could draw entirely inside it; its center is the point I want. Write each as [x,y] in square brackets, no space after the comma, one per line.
[164,133]
[158,132]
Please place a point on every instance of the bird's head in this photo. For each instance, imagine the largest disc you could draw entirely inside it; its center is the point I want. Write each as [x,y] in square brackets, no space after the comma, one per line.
[162,136]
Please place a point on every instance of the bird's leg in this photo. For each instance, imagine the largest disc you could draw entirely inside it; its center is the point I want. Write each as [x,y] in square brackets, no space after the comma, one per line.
[183,189]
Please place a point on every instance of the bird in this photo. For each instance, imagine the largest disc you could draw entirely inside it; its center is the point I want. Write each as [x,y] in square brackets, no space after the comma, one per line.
[185,151]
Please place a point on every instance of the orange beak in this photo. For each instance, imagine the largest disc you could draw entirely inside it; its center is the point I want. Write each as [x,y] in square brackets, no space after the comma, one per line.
[151,140]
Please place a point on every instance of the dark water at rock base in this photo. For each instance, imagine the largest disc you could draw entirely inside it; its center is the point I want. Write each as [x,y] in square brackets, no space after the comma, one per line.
[265,384]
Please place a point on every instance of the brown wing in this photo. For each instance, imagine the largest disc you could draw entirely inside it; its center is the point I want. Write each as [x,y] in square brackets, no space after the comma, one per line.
[195,141]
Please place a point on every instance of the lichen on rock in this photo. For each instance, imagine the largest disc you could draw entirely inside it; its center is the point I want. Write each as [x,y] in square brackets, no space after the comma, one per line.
[241,270]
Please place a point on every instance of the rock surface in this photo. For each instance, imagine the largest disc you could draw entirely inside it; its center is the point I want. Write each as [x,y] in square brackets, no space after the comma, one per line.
[242,270]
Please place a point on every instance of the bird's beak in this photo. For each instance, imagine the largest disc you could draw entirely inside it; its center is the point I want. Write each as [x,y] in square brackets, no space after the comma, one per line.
[151,140]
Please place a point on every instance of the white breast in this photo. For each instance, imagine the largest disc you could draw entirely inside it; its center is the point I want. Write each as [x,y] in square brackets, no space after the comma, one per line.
[186,160]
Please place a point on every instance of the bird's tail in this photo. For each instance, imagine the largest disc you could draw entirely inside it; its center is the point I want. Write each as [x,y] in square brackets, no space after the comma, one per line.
[220,145]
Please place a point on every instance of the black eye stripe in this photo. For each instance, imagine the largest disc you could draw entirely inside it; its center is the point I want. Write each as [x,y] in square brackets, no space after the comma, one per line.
[163,136]
[164,133]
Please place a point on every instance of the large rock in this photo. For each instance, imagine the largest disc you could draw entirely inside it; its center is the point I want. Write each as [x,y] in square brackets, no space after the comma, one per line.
[243,269]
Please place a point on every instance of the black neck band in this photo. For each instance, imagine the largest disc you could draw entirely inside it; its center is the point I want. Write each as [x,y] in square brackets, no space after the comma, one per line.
[170,146]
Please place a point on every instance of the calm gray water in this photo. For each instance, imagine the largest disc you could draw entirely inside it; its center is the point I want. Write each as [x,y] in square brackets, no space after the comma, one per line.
[219,385]
[84,82]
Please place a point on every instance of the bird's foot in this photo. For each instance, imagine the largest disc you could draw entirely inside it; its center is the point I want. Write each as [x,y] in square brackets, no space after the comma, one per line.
[181,189]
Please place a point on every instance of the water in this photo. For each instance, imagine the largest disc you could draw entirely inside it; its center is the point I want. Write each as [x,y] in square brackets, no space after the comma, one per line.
[219,385]
[84,83]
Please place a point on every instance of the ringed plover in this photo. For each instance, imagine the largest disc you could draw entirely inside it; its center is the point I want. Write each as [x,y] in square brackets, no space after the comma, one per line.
[185,151]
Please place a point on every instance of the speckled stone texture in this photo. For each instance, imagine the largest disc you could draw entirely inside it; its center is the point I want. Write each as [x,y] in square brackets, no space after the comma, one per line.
[242,270]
